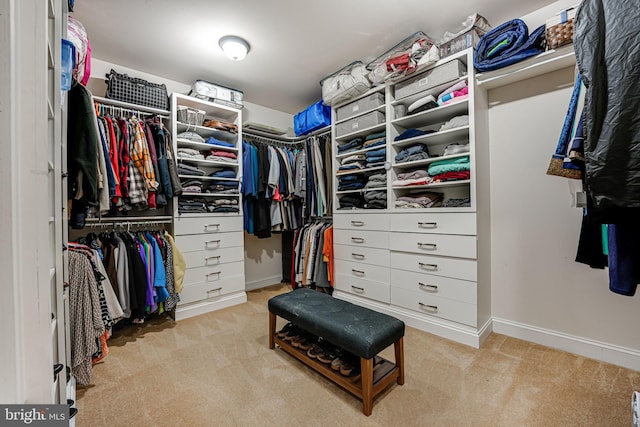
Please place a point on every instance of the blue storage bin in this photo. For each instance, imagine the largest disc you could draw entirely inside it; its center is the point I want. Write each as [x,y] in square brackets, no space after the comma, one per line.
[68,63]
[312,118]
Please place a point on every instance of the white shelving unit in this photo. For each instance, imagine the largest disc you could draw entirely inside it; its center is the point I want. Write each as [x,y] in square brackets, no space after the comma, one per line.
[212,242]
[422,265]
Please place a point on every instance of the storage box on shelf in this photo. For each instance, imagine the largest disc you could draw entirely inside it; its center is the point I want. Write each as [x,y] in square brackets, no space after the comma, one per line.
[423,264]
[208,215]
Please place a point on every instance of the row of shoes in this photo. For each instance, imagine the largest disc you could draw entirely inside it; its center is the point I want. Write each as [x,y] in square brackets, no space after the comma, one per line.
[347,364]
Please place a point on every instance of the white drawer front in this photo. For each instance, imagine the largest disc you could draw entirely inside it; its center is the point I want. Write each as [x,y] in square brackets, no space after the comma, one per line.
[444,287]
[208,259]
[362,271]
[364,255]
[455,311]
[208,225]
[370,239]
[366,288]
[434,244]
[439,223]
[201,291]
[459,268]
[209,242]
[213,273]
[374,222]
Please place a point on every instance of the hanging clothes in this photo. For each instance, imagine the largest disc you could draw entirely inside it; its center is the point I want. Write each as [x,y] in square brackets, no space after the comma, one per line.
[312,259]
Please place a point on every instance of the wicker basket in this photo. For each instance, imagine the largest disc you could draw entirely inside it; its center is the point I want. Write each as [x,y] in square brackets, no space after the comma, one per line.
[190,116]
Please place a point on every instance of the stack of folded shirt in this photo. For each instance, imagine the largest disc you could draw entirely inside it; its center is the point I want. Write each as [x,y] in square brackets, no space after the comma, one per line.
[374,140]
[350,167]
[454,93]
[455,122]
[224,173]
[191,136]
[222,156]
[214,141]
[457,203]
[352,163]
[191,185]
[350,201]
[375,200]
[413,177]
[425,199]
[226,187]
[450,169]
[425,103]
[189,153]
[412,153]
[378,180]
[184,169]
[350,182]
[223,205]
[412,133]
[187,205]
[354,144]
[376,157]
[455,148]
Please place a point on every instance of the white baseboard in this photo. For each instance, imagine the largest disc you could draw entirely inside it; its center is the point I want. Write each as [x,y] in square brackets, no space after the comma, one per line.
[459,333]
[262,283]
[621,356]
[195,309]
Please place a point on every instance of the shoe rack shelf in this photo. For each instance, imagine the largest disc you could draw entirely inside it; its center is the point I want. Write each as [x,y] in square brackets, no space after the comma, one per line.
[365,387]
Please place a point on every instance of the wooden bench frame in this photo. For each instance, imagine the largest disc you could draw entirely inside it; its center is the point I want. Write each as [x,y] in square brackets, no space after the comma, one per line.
[376,373]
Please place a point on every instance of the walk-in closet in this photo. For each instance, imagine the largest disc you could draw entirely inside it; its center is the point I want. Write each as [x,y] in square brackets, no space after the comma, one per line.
[416,213]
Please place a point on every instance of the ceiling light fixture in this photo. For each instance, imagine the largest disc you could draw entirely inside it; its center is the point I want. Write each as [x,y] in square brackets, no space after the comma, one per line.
[234,47]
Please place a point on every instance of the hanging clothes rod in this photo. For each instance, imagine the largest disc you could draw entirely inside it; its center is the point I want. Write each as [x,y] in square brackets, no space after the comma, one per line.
[126,106]
[138,219]
[285,139]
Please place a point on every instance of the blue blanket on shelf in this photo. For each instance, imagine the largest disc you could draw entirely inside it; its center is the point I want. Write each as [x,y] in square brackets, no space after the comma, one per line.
[507,44]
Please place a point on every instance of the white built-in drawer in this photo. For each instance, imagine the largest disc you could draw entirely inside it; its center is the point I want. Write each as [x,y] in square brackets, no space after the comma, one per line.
[360,254]
[444,287]
[196,292]
[374,222]
[370,239]
[214,273]
[362,271]
[209,242]
[440,223]
[432,305]
[459,268]
[434,244]
[208,225]
[365,288]
[208,259]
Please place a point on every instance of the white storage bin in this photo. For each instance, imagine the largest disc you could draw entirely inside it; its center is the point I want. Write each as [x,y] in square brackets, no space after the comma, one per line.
[362,122]
[361,105]
[431,78]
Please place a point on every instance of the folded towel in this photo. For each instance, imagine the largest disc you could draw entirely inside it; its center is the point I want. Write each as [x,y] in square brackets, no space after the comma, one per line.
[507,44]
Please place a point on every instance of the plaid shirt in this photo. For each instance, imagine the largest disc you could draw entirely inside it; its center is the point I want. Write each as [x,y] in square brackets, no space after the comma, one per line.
[137,188]
[140,155]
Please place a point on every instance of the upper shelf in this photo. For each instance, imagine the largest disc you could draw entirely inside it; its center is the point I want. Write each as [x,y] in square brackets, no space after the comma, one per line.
[543,63]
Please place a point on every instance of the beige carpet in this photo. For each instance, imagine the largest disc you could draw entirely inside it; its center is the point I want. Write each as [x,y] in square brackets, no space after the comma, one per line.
[217,370]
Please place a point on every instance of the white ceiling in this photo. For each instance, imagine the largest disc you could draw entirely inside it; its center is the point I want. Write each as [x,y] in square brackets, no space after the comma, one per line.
[294,44]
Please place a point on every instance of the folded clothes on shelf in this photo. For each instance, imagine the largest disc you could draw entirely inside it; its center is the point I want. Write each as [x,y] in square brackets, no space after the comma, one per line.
[455,122]
[426,199]
[184,169]
[457,202]
[449,165]
[412,133]
[214,141]
[406,152]
[191,136]
[224,173]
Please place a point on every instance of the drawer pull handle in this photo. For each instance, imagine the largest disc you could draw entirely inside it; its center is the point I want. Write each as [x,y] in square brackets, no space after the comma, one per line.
[357,240]
[433,288]
[215,273]
[210,242]
[427,245]
[357,223]
[428,266]
[433,308]
[427,224]
[209,258]
[214,290]
[206,227]
[358,272]
[357,288]
[358,256]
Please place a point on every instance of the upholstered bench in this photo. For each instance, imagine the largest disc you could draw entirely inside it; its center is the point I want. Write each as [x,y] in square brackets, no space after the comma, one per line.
[356,329]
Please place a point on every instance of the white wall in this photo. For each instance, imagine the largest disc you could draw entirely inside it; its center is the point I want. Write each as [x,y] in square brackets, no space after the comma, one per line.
[263,257]
[536,284]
